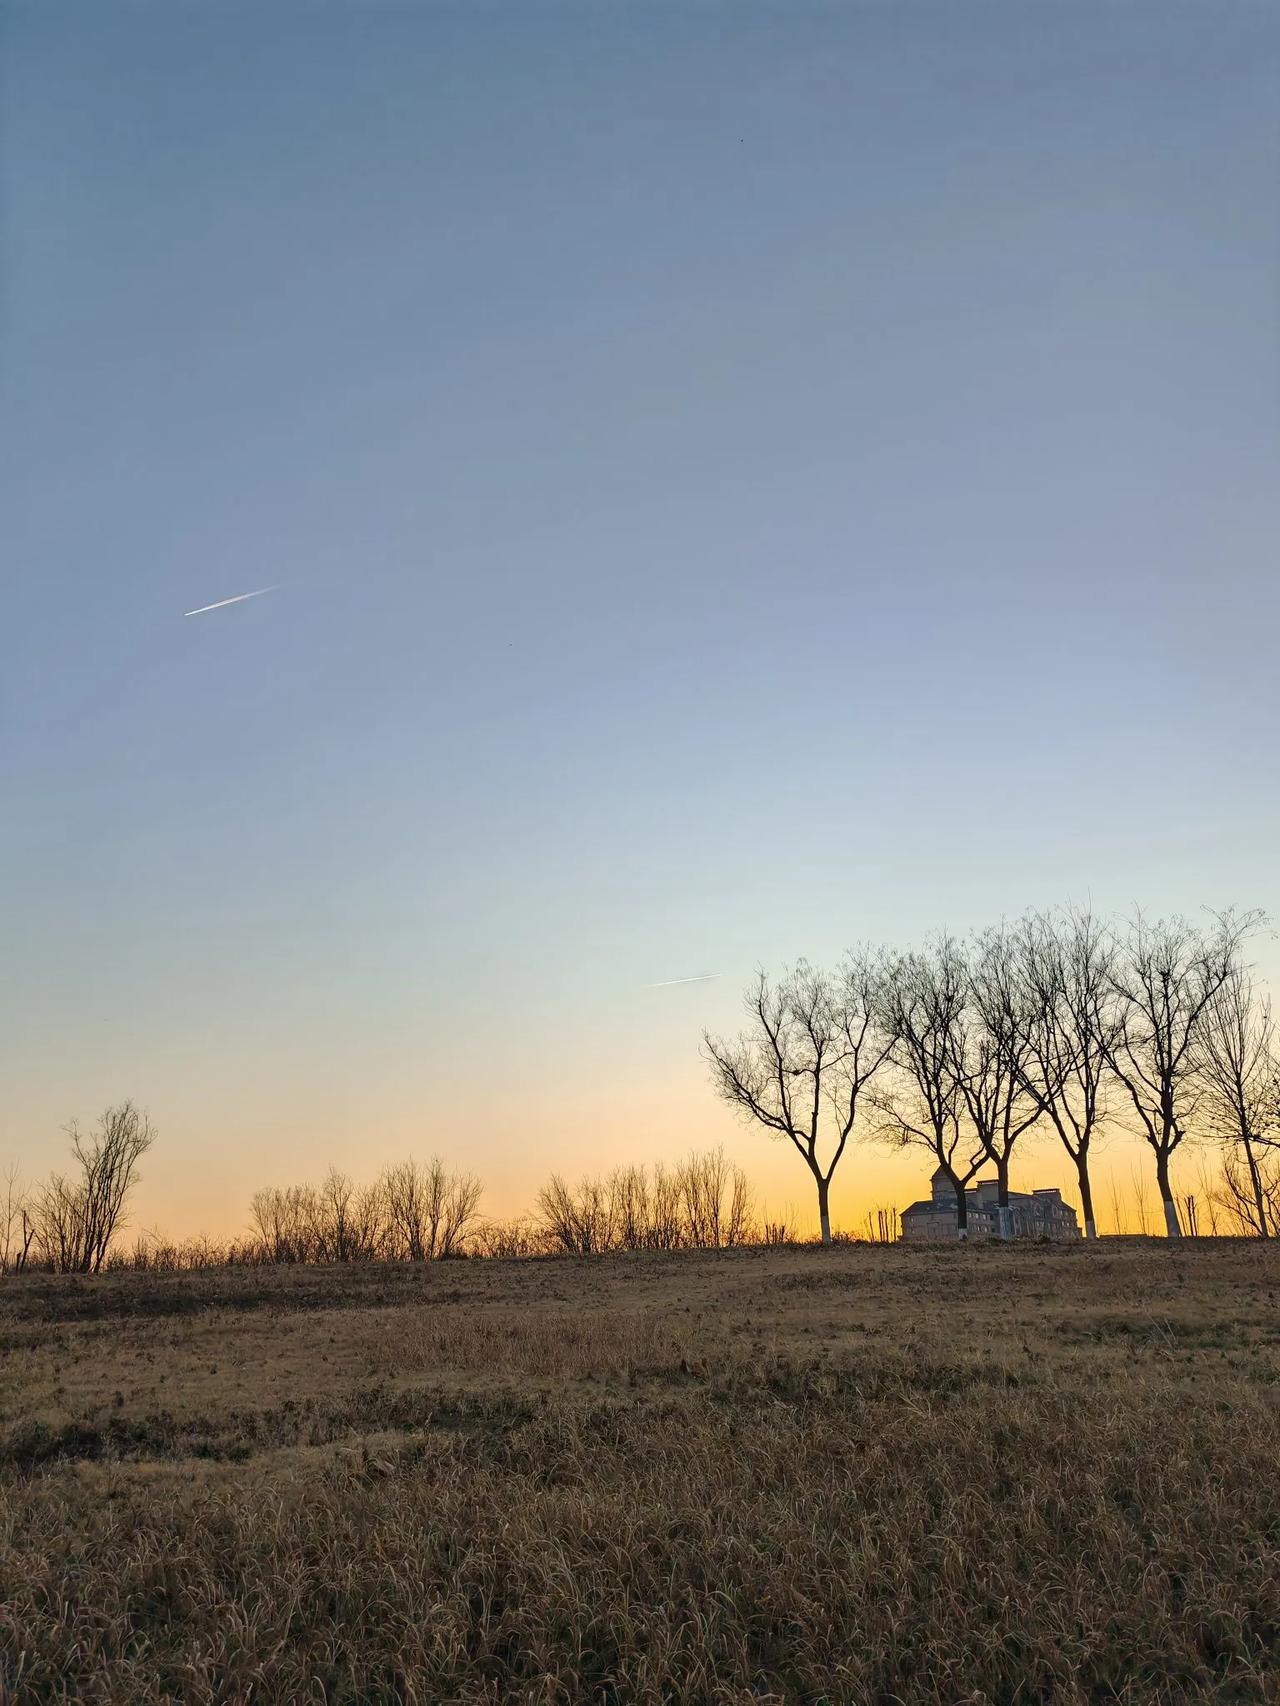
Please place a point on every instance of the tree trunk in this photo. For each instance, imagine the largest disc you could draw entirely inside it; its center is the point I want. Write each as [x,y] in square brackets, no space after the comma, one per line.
[824,1209]
[1004,1219]
[962,1211]
[1086,1198]
[1259,1197]
[1172,1225]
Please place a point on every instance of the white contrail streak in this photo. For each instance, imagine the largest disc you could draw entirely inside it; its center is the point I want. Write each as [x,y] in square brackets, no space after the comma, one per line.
[670,982]
[223,602]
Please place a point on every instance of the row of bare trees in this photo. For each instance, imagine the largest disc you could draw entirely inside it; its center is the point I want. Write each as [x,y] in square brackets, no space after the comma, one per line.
[1064,1022]
[413,1212]
[704,1202]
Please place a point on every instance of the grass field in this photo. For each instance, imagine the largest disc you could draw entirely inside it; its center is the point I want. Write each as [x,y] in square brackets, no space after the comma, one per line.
[861,1474]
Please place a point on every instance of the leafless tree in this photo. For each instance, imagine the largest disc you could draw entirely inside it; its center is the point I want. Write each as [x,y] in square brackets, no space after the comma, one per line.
[459,1205]
[1166,974]
[285,1222]
[645,1209]
[813,1044]
[1117,1213]
[76,1218]
[1236,1059]
[411,1213]
[921,1104]
[266,1218]
[883,1225]
[1209,1195]
[666,1218]
[717,1201]
[17,1229]
[1066,965]
[1139,1201]
[1249,1198]
[631,1207]
[994,1059]
[405,1191]
[702,1203]
[336,1218]
[578,1220]
[370,1234]
[429,1209]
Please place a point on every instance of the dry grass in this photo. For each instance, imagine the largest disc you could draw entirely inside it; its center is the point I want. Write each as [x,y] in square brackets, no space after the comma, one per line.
[1002,1475]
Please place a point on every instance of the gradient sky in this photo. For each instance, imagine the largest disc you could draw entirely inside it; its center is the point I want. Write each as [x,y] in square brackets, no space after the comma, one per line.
[740,479]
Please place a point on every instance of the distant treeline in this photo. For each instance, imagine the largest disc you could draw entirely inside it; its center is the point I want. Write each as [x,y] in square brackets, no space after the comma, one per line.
[413,1212]
[419,1212]
[1063,1023]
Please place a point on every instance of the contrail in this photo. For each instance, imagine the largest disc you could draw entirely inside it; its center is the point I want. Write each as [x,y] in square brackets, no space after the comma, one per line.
[670,982]
[223,602]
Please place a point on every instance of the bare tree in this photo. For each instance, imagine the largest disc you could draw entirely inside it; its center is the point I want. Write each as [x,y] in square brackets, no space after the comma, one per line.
[666,1221]
[1249,1198]
[1209,1194]
[430,1209]
[717,1201]
[813,1044]
[76,1218]
[578,1220]
[645,1209]
[405,1189]
[459,1202]
[1117,1214]
[630,1207]
[1139,1201]
[1166,975]
[1066,964]
[286,1222]
[370,1230]
[992,1066]
[1237,1063]
[268,1220]
[703,1203]
[335,1218]
[922,1103]
[17,1229]
[884,1225]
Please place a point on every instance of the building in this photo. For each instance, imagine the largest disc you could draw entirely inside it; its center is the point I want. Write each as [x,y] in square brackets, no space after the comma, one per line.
[1032,1214]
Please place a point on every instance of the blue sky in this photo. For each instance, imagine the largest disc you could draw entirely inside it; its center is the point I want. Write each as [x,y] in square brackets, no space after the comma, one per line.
[740,480]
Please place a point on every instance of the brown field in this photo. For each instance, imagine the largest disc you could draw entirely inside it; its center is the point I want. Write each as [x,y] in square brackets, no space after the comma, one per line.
[976,1474]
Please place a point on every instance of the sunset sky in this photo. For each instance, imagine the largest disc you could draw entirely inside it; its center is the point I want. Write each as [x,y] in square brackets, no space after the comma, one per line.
[739,480]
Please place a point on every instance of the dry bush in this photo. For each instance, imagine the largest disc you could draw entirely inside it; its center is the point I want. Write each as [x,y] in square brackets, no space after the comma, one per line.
[412,1213]
[704,1202]
[578,1220]
[507,1239]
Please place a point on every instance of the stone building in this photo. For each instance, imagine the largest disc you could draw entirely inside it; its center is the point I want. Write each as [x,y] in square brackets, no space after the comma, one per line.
[1032,1214]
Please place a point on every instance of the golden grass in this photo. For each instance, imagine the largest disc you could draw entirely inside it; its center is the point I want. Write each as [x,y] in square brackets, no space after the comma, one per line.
[863,1474]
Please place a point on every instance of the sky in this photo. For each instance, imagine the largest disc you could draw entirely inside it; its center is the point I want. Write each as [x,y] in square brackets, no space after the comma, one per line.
[739,480]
